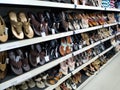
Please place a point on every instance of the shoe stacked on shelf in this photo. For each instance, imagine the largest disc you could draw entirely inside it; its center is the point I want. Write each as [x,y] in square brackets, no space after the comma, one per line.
[55,48]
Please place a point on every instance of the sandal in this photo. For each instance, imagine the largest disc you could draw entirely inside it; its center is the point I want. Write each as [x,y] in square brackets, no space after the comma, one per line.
[16,26]
[26,25]
[15,63]
[3,66]
[3,31]
[24,59]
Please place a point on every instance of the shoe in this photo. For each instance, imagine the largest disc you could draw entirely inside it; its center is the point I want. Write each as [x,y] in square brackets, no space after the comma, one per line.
[71,64]
[15,63]
[3,31]
[35,24]
[64,67]
[39,82]
[31,83]
[28,31]
[62,48]
[3,66]
[23,86]
[33,55]
[69,44]
[24,59]
[16,26]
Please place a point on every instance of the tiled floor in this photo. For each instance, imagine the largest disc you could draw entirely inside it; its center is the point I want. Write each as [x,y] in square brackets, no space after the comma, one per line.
[108,78]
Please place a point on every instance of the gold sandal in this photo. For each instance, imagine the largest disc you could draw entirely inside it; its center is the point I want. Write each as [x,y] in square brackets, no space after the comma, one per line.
[3,31]
[26,25]
[16,26]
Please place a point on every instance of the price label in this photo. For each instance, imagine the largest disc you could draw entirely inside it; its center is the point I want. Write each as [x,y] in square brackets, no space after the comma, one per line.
[85,60]
[53,31]
[38,59]
[43,34]
[47,58]
[7,60]
[80,46]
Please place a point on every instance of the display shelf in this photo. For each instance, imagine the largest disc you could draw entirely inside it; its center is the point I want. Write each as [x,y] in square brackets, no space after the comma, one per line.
[32,73]
[112,9]
[88,29]
[26,42]
[89,7]
[111,24]
[93,76]
[59,82]
[37,3]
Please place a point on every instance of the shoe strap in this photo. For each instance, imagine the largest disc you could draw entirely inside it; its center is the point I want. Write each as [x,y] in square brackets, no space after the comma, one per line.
[17,26]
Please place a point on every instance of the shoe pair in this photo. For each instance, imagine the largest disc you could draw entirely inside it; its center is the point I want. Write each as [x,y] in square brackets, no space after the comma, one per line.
[18,61]
[20,24]
[70,63]
[66,46]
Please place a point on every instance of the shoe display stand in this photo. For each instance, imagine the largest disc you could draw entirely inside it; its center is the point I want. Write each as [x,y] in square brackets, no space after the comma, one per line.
[21,43]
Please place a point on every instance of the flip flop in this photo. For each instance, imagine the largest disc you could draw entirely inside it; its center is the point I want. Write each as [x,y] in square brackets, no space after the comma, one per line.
[3,66]
[26,25]
[15,63]
[16,26]
[3,31]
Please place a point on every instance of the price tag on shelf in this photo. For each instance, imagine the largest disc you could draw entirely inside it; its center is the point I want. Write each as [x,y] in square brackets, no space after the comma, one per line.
[7,60]
[53,31]
[38,59]
[47,58]
[80,46]
[43,34]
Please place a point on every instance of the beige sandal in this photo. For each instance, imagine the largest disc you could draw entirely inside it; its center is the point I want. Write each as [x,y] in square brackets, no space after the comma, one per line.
[26,25]
[16,26]
[3,31]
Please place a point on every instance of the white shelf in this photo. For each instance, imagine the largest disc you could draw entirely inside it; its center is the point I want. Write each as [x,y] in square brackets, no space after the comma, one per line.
[111,24]
[85,48]
[21,43]
[59,82]
[89,7]
[88,29]
[112,9]
[37,3]
[32,73]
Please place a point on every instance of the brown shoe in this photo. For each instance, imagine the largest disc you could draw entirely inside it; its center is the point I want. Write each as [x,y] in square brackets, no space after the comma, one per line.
[3,31]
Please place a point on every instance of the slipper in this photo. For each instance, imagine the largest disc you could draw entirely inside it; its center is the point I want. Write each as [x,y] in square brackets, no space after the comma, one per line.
[26,25]
[24,59]
[3,31]
[16,26]
[23,86]
[31,83]
[3,66]
[35,24]
[15,63]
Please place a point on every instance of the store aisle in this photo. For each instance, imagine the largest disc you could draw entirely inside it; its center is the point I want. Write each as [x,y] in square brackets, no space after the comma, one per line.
[108,78]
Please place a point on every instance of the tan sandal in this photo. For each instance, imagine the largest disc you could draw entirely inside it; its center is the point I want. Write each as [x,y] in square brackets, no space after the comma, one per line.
[3,31]
[16,26]
[26,25]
